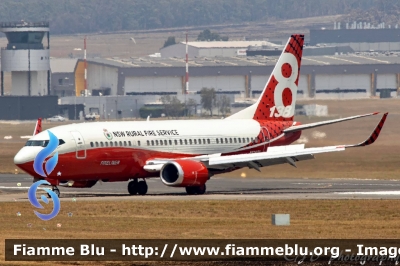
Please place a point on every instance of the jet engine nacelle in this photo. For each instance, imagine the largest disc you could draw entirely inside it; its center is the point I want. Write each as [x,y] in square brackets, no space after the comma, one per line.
[184,173]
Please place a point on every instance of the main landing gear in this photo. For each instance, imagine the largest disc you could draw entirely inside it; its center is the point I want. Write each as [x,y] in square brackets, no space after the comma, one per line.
[199,190]
[137,187]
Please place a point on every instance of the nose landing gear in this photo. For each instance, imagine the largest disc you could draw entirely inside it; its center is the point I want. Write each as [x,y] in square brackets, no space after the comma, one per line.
[55,190]
[137,187]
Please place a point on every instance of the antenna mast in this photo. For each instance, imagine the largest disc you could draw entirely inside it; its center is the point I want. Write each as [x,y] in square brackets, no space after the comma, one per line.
[85,63]
[187,65]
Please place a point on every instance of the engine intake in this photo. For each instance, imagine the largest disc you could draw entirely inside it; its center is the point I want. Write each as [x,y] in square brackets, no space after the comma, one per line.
[183,173]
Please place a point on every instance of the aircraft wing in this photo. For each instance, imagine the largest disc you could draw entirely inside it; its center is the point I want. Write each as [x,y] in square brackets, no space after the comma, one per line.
[323,123]
[274,155]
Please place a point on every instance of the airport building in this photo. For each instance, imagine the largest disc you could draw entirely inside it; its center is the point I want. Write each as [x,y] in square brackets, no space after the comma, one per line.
[63,76]
[130,83]
[360,36]
[26,58]
[119,87]
[357,76]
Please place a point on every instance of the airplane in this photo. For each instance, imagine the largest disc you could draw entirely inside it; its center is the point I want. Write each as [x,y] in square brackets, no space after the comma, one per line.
[183,153]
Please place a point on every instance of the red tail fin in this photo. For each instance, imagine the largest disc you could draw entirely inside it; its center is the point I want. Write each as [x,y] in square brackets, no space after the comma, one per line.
[38,127]
[277,101]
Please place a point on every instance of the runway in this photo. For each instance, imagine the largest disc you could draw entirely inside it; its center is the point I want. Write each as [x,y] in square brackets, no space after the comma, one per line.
[15,187]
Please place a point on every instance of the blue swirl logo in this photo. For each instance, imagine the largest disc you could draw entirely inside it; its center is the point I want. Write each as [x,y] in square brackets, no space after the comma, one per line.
[43,154]
[32,198]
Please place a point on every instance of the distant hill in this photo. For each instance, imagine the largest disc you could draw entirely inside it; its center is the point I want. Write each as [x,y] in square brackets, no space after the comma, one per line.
[77,16]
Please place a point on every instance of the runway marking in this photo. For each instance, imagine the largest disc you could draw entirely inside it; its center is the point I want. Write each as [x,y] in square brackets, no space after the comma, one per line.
[318,61]
[341,59]
[350,184]
[370,193]
[369,58]
[3,187]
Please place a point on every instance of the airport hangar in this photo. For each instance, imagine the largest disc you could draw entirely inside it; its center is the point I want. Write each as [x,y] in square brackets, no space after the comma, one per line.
[130,83]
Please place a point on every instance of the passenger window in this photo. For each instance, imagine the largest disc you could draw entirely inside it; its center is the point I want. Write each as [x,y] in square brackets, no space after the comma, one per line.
[226,140]
[156,142]
[190,141]
[208,141]
[161,142]
[234,140]
[199,141]
[165,142]
[186,142]
[248,140]
[240,140]
[170,142]
[222,141]
[101,144]
[230,140]
[97,144]
[180,141]
[130,143]
[138,143]
[152,143]
[111,144]
[120,143]
[194,141]
[217,140]
[91,144]
[125,144]
[106,143]
[176,142]
[116,144]
[148,143]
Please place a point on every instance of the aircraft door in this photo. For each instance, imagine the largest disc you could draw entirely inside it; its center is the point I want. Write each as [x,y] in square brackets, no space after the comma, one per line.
[80,145]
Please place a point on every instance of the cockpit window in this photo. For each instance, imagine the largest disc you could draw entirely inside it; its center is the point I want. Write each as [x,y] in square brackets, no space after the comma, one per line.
[42,143]
[36,143]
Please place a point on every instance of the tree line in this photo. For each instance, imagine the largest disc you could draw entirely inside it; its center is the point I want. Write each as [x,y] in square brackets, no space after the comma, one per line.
[76,16]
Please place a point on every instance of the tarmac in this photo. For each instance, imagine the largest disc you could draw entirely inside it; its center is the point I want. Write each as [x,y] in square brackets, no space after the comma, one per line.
[15,187]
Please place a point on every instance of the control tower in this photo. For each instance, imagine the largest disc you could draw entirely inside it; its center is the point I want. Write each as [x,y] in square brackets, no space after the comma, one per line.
[26,58]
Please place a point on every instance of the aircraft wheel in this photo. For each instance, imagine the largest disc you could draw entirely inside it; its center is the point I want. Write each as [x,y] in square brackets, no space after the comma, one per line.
[57,191]
[201,189]
[190,190]
[142,188]
[133,187]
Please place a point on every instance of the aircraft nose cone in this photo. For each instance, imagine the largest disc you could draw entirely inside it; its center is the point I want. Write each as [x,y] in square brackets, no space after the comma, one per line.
[26,154]
[24,160]
[20,158]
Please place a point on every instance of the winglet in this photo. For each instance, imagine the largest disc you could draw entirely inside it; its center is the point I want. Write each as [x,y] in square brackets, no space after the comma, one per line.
[374,135]
[38,127]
